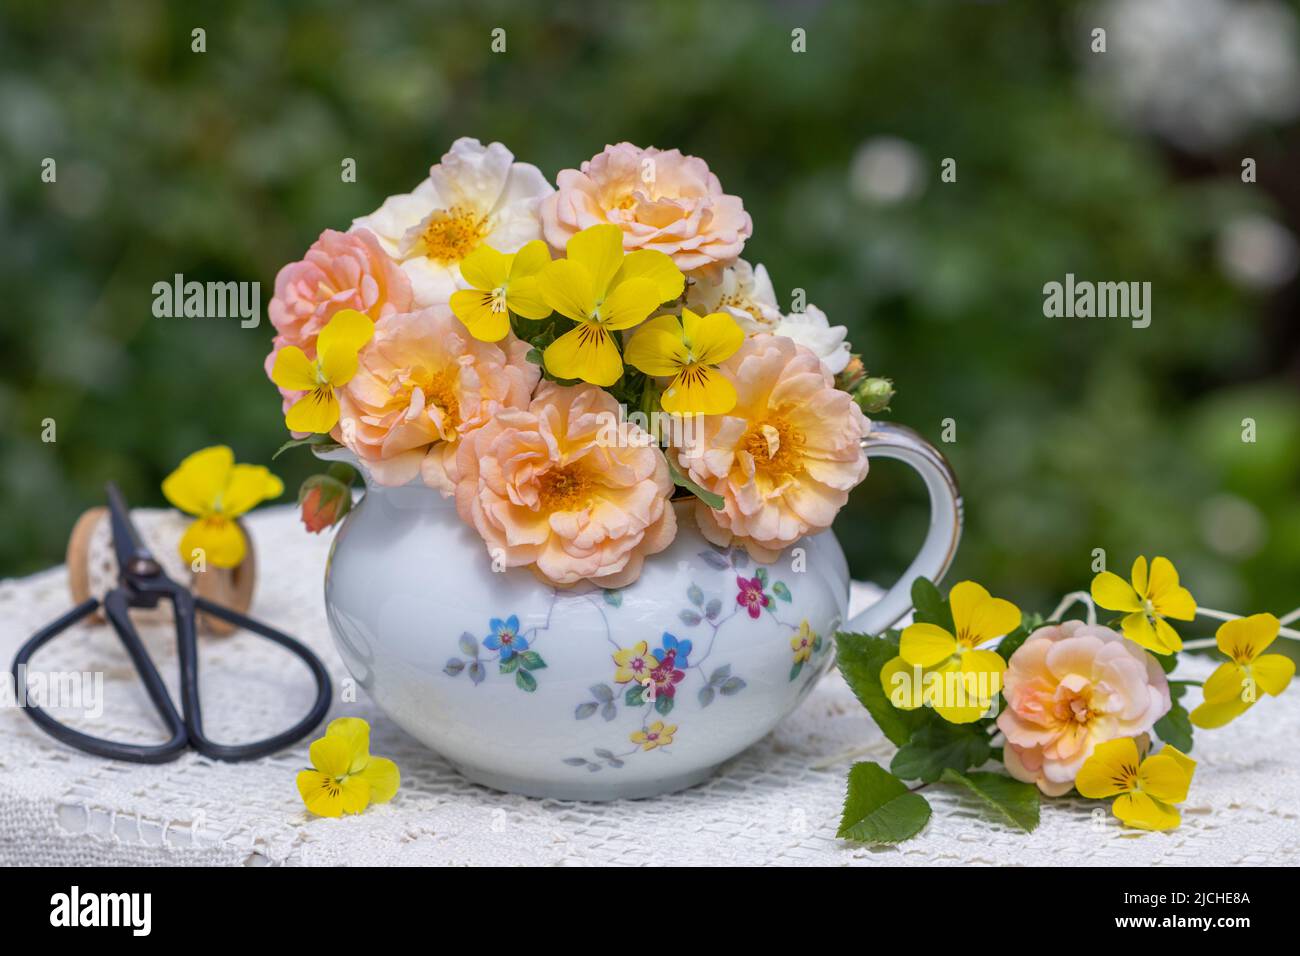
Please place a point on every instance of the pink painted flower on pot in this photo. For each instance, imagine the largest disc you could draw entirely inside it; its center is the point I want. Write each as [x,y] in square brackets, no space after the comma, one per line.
[1070,687]
[661,199]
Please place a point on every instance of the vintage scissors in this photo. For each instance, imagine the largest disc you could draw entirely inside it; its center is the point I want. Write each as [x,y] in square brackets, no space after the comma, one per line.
[141,584]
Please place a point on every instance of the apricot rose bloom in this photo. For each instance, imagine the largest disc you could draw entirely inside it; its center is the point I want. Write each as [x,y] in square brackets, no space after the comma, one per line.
[785,458]
[661,199]
[546,490]
[1070,687]
[423,383]
[341,270]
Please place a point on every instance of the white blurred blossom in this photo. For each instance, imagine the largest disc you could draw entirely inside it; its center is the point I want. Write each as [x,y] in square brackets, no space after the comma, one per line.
[1198,72]
[886,170]
[1258,253]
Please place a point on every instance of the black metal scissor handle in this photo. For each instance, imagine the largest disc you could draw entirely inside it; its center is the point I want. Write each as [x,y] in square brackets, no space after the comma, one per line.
[143,584]
[185,728]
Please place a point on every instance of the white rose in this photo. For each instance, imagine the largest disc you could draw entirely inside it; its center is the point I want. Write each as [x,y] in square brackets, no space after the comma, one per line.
[476,195]
[811,328]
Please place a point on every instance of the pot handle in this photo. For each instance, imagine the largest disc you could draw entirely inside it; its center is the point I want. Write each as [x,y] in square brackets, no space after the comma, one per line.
[887,440]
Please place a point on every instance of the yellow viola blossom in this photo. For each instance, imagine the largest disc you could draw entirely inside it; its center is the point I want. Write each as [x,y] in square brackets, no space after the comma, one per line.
[603,291]
[688,351]
[209,485]
[500,283]
[337,346]
[958,678]
[346,778]
[1145,791]
[1147,601]
[657,734]
[1233,687]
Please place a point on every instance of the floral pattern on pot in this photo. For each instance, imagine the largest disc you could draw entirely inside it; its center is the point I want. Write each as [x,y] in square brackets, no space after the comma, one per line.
[649,677]
[508,647]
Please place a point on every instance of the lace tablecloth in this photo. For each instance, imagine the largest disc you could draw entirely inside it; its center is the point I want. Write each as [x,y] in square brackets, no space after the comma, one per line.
[777,803]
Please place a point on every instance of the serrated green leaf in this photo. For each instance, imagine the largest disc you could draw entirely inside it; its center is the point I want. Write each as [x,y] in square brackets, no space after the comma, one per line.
[929,607]
[510,666]
[878,808]
[860,658]
[1175,728]
[1014,801]
[941,746]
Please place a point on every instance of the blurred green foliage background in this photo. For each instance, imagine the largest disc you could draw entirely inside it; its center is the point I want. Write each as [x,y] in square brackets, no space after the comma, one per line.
[1071,434]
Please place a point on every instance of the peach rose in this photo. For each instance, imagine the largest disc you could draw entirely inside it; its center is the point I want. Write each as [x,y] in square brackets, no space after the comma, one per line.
[547,489]
[422,384]
[660,199]
[341,270]
[1070,687]
[785,458]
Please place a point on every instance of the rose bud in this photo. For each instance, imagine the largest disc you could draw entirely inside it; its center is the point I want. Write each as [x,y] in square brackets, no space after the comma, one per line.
[852,375]
[324,501]
[874,395]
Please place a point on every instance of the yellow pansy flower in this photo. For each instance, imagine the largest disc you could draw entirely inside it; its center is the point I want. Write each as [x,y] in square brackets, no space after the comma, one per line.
[688,351]
[500,283]
[209,485]
[1145,791]
[957,678]
[1231,689]
[1148,601]
[603,291]
[657,734]
[336,362]
[346,779]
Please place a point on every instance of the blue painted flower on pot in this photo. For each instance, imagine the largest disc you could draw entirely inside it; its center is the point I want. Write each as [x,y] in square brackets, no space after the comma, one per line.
[505,637]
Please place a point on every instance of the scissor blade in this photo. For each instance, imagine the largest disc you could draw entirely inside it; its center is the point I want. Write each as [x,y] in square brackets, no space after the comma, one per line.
[133,555]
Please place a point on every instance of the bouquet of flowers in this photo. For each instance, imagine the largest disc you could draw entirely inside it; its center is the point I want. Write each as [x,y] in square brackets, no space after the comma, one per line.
[1063,705]
[565,360]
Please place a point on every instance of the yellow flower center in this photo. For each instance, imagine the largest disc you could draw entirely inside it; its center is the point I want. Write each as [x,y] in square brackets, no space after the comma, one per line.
[452,234]
[738,301]
[776,447]
[567,489]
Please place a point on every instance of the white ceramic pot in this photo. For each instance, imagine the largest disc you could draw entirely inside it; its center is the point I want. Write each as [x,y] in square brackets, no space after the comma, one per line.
[589,694]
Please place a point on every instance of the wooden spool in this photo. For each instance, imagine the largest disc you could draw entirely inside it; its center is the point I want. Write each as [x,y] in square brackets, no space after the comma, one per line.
[231,587]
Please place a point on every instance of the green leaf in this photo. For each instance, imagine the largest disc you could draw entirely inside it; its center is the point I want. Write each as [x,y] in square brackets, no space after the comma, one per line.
[1175,728]
[614,598]
[321,440]
[794,671]
[1011,643]
[681,481]
[878,807]
[510,666]
[633,696]
[941,746]
[664,705]
[533,661]
[860,658]
[761,574]
[1015,802]
[930,607]
[525,681]
[781,591]
[1167,661]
